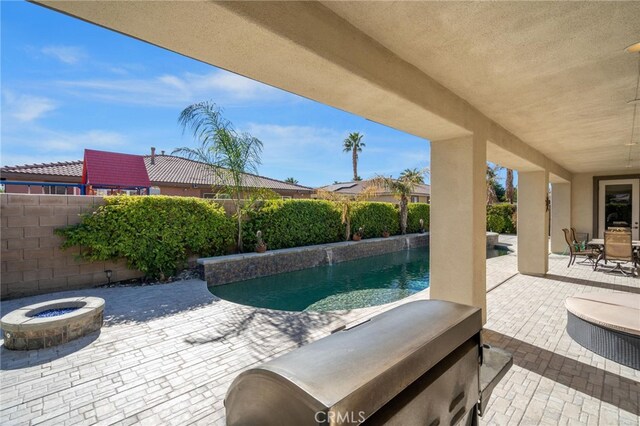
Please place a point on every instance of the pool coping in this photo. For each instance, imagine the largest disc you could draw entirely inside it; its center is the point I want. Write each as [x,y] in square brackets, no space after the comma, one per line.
[240,267]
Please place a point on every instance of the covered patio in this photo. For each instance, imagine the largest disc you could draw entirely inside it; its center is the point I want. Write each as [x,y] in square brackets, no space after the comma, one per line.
[531,86]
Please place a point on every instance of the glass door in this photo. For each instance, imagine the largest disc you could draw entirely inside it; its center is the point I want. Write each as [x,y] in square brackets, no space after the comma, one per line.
[619,205]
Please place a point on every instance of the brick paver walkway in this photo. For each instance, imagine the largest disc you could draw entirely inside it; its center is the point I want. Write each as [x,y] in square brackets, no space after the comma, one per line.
[168,353]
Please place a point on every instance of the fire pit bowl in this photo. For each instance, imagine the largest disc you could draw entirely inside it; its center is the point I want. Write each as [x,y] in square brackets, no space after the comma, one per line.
[51,323]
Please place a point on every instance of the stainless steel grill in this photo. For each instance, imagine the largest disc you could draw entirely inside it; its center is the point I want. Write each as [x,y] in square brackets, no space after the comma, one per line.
[418,364]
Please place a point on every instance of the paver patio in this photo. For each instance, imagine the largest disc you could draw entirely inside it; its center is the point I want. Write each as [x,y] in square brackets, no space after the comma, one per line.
[168,353]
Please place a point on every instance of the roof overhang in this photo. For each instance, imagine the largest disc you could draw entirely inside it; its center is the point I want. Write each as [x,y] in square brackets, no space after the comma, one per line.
[537,78]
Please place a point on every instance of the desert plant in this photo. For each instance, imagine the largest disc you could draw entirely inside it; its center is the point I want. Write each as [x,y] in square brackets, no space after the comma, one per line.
[345,203]
[229,154]
[418,217]
[261,247]
[359,234]
[402,189]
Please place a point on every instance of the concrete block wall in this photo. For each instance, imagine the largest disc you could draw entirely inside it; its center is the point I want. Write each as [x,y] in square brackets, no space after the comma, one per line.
[31,259]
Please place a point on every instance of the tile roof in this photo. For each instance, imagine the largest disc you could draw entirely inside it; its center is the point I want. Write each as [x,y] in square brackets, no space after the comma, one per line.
[64,168]
[114,169]
[167,169]
[354,188]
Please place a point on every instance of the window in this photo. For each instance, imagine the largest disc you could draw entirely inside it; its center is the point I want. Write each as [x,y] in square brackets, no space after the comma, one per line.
[415,199]
[54,190]
[216,196]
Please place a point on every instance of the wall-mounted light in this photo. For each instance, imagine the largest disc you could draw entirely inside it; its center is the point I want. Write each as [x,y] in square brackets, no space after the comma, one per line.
[634,48]
[108,273]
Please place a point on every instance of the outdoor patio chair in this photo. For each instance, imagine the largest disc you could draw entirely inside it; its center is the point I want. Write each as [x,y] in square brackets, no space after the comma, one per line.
[584,236]
[617,249]
[575,250]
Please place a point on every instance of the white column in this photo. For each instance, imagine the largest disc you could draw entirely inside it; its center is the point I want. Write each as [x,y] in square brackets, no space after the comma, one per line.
[458,221]
[533,223]
[560,215]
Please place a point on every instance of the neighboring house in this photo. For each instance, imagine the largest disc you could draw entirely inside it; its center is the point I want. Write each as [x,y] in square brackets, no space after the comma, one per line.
[168,175]
[421,194]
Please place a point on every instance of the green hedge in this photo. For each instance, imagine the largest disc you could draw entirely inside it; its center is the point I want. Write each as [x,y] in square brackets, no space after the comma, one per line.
[415,212]
[293,223]
[155,234]
[502,218]
[375,217]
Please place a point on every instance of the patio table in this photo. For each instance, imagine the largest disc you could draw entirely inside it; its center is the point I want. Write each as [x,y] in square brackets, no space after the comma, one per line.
[598,243]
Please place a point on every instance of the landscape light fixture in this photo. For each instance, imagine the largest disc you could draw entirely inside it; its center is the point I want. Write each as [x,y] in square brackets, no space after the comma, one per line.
[108,273]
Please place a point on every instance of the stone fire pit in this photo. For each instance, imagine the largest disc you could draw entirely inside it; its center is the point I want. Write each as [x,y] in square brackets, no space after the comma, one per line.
[52,323]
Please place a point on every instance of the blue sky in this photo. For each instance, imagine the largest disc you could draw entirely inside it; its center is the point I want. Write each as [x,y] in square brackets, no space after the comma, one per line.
[69,85]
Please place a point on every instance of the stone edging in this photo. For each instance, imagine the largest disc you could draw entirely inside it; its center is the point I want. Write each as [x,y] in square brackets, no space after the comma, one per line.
[228,269]
[23,331]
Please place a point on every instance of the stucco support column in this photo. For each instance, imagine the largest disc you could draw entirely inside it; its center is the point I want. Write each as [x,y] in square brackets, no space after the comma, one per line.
[533,223]
[560,215]
[458,221]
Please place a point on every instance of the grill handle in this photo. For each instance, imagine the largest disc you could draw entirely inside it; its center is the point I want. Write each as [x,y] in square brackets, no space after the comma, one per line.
[495,364]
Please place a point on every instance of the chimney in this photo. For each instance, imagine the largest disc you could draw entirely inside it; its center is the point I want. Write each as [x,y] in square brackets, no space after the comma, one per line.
[162,152]
[153,155]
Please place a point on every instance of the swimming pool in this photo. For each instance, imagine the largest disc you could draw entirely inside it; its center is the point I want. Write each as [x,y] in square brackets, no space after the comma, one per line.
[359,283]
[347,285]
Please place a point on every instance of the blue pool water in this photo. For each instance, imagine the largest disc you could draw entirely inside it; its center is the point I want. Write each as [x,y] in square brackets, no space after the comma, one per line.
[364,282]
[359,283]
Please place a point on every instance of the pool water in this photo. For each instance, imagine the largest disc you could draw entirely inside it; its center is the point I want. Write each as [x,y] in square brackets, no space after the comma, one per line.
[355,284]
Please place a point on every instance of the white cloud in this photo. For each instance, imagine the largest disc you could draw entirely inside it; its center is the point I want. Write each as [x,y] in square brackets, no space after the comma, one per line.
[35,144]
[66,54]
[26,108]
[170,90]
[62,141]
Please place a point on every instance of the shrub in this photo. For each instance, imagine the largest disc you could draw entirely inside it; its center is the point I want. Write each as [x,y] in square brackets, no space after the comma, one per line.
[155,234]
[293,223]
[416,212]
[502,218]
[374,217]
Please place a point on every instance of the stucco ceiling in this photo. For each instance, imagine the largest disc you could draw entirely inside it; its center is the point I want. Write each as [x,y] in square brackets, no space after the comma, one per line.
[553,73]
[547,81]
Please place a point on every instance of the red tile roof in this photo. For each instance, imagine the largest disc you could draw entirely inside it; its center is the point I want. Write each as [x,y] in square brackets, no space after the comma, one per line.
[102,168]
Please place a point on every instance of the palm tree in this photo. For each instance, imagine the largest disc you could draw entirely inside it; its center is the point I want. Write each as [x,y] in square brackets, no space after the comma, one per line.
[229,154]
[493,184]
[291,180]
[413,175]
[353,143]
[509,186]
[345,202]
[402,188]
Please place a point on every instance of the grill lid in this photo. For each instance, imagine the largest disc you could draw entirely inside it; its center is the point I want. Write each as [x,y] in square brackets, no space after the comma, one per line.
[356,370]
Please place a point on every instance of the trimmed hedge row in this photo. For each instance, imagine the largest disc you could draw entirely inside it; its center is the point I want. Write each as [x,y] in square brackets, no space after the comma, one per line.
[502,218]
[415,212]
[155,234]
[374,218]
[293,223]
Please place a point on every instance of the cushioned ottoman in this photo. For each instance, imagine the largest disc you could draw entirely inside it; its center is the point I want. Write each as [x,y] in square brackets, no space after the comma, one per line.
[607,324]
